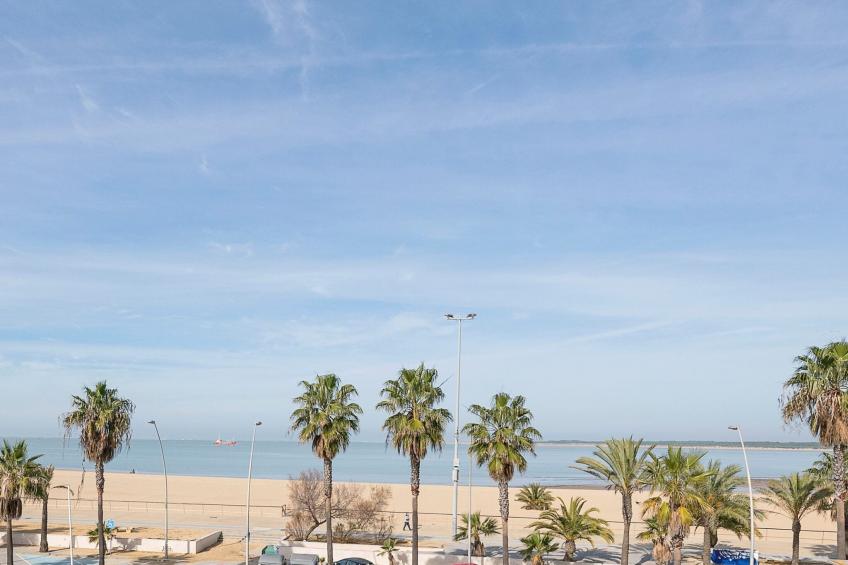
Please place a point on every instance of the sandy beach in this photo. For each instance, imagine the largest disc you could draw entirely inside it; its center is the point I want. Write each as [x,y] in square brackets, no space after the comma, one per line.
[203,504]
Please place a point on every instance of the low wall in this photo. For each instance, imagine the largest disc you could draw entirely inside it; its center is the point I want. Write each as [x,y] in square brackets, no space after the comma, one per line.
[151,545]
[403,555]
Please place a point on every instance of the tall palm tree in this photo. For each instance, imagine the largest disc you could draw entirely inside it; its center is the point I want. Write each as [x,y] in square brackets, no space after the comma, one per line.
[326,416]
[499,440]
[794,497]
[536,546]
[721,506]
[479,527]
[620,463]
[675,479]
[816,395]
[104,422]
[20,477]
[572,523]
[535,497]
[43,494]
[415,425]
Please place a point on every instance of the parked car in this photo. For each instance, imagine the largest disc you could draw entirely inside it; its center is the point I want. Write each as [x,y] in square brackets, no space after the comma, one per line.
[353,561]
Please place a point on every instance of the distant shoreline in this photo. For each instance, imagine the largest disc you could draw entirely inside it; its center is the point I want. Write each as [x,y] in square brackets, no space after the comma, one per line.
[754,446]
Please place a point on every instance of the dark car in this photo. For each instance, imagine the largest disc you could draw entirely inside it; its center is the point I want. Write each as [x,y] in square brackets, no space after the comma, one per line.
[353,561]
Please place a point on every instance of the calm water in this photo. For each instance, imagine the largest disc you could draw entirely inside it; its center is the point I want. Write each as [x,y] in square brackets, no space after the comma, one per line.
[367,462]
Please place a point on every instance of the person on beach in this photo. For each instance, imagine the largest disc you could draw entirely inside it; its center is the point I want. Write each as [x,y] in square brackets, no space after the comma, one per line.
[406,524]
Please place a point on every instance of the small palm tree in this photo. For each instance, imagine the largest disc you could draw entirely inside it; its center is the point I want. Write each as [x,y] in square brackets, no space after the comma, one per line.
[103,420]
[656,532]
[479,527]
[108,533]
[816,395]
[721,507]
[620,463]
[499,440]
[795,496]
[325,417]
[20,478]
[822,470]
[573,522]
[676,477]
[415,425]
[535,497]
[536,546]
[43,494]
[389,548]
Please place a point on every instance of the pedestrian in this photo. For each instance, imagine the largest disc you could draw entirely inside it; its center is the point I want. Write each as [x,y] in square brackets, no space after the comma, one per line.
[406,524]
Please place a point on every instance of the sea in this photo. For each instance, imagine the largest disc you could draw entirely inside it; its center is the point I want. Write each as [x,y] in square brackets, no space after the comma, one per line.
[375,462]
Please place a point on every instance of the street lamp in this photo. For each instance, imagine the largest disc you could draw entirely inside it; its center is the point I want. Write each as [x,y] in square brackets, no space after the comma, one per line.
[750,489]
[249,474]
[459,319]
[70,521]
[165,471]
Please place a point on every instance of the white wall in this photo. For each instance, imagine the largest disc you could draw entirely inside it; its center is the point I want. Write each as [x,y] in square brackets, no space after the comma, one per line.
[426,555]
[151,545]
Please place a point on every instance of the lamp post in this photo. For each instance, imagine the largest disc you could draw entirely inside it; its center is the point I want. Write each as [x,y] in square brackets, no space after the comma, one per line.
[468,524]
[750,489]
[70,521]
[459,320]
[249,474]
[165,471]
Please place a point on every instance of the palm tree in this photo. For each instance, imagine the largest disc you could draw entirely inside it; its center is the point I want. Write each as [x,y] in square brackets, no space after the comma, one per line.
[104,422]
[43,494]
[795,496]
[572,523]
[499,440]
[389,548]
[676,477]
[415,425]
[535,497]
[326,417]
[815,395]
[721,507]
[479,527]
[656,532]
[536,546]
[822,470]
[620,463]
[20,478]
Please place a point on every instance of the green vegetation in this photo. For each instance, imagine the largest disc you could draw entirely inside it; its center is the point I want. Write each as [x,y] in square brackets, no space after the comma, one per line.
[326,416]
[794,497]
[415,425]
[536,546]
[621,464]
[535,497]
[499,440]
[20,478]
[573,522]
[104,422]
[479,527]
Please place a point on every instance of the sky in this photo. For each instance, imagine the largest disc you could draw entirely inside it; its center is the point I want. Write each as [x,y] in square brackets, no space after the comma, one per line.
[204,203]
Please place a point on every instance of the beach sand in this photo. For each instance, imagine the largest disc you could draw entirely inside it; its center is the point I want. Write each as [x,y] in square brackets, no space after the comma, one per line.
[203,504]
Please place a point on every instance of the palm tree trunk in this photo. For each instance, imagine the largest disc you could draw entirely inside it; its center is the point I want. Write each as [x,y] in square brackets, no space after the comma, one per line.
[100,483]
[796,541]
[627,517]
[503,501]
[43,548]
[415,485]
[705,552]
[328,501]
[570,548]
[839,491]
[10,544]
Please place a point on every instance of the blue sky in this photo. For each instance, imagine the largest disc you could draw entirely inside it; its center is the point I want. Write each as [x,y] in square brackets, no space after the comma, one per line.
[205,202]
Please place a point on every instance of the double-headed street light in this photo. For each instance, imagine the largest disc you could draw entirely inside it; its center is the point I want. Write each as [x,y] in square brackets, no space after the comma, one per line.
[750,489]
[165,471]
[455,474]
[249,475]
[70,520]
